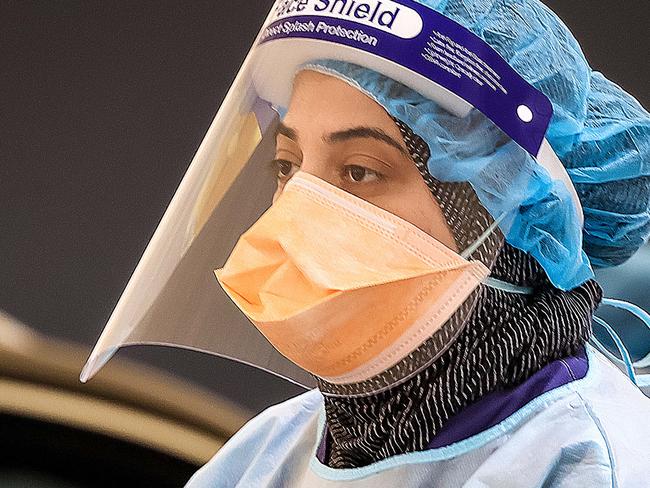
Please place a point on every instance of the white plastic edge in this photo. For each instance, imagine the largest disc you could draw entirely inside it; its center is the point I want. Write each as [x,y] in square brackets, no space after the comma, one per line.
[547,158]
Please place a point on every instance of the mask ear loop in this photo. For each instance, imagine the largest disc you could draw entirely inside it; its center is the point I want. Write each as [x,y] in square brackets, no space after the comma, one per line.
[489,281]
[507,287]
[620,304]
[639,313]
[625,355]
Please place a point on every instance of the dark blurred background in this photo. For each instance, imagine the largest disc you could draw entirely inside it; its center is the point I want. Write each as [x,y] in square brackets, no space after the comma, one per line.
[102,107]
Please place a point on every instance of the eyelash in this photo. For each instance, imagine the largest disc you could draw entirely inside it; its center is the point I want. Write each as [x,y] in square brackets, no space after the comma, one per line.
[276,165]
[367,170]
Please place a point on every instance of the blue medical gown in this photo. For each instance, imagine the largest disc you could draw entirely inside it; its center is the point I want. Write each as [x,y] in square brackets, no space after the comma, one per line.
[593,432]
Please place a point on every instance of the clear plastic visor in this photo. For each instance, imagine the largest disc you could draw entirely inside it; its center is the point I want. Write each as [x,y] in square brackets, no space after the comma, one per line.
[173,297]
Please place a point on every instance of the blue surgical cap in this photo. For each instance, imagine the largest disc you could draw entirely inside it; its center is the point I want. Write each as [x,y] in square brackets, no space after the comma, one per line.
[600,133]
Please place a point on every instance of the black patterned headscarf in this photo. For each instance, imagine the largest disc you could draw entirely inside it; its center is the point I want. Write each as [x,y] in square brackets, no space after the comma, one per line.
[507,338]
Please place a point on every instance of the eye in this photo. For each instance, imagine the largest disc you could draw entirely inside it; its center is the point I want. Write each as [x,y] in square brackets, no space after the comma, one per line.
[284,169]
[359,174]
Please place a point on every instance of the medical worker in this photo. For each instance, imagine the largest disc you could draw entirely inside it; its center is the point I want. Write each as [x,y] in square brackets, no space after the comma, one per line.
[428,255]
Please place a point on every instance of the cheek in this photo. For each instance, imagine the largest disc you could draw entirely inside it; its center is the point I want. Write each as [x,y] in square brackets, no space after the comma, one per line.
[438,226]
[421,209]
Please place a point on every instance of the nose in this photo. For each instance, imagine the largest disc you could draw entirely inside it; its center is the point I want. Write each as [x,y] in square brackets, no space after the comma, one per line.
[321,168]
[318,165]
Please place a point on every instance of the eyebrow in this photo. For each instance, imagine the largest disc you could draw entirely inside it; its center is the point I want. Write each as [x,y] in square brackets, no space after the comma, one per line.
[365,133]
[349,134]
[287,132]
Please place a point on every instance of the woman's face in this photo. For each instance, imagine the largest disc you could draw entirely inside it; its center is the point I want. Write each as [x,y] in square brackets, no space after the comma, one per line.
[335,132]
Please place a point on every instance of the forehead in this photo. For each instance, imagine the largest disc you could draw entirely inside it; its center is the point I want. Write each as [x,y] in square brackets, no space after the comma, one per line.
[322,104]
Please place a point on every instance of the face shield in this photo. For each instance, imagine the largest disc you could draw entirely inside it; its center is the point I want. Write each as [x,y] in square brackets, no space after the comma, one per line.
[487,165]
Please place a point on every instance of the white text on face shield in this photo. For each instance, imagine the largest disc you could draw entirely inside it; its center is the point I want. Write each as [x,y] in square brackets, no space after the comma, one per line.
[290,7]
[386,15]
[359,10]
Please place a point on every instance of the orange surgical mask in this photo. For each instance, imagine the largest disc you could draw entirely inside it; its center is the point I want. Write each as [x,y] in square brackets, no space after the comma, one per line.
[342,288]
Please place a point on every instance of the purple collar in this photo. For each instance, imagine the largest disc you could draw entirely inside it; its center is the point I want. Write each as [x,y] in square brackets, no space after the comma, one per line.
[495,407]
